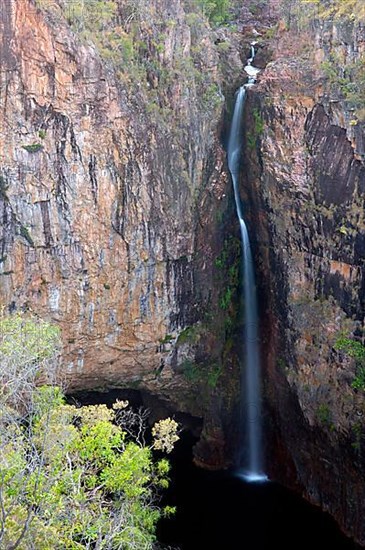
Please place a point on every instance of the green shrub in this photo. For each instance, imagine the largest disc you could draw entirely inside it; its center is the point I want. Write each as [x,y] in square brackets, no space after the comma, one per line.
[189,335]
[33,148]
[217,11]
[352,348]
[212,97]
[26,339]
[191,371]
[324,413]
[352,10]
[226,298]
[258,122]
[166,339]
[75,478]
[255,132]
[358,382]
[356,350]
[357,431]
[214,374]
[24,232]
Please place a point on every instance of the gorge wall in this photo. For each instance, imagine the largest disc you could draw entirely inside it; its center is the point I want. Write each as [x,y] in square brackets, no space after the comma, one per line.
[112,191]
[304,178]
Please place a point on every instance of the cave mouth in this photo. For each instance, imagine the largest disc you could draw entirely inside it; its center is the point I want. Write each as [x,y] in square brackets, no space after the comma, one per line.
[220,510]
[157,407]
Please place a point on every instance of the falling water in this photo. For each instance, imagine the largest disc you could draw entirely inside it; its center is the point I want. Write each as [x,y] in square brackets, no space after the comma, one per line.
[252,467]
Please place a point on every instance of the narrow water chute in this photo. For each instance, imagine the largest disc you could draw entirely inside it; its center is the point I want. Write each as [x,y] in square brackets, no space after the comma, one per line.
[251,463]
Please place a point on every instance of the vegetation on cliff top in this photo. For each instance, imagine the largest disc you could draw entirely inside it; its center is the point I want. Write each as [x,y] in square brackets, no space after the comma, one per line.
[133,36]
[71,478]
[344,71]
[216,10]
[352,9]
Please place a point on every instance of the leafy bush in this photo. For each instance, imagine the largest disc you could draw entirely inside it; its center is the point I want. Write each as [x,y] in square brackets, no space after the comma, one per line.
[324,414]
[217,11]
[352,348]
[28,347]
[356,350]
[90,15]
[358,382]
[214,374]
[353,10]
[33,148]
[81,481]
[71,478]
[226,298]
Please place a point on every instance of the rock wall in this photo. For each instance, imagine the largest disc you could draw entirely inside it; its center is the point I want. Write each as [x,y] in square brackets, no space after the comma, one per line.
[110,192]
[304,181]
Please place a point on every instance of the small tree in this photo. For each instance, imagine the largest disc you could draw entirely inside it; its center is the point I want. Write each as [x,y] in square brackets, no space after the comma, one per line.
[28,350]
[70,478]
[355,350]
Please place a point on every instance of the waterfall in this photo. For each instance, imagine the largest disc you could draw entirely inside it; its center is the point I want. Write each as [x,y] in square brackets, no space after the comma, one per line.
[252,467]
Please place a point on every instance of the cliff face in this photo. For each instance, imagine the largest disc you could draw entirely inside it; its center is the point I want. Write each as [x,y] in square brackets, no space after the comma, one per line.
[304,178]
[109,195]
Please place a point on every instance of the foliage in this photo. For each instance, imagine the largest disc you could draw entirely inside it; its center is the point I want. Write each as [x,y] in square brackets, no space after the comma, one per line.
[165,435]
[24,232]
[221,260]
[281,364]
[132,37]
[97,21]
[28,347]
[257,129]
[346,79]
[33,148]
[211,97]
[86,484]
[357,431]
[214,374]
[226,298]
[207,375]
[71,478]
[324,413]
[217,11]
[258,122]
[87,15]
[189,335]
[356,350]
[166,339]
[353,10]
[229,292]
[352,348]
[191,371]
[26,339]
[271,32]
[358,382]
